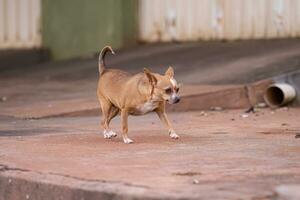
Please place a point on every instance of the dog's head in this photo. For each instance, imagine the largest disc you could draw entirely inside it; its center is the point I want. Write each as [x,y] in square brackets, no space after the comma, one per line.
[165,87]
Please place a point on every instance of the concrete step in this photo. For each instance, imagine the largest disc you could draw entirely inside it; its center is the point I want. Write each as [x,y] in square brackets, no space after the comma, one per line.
[194,97]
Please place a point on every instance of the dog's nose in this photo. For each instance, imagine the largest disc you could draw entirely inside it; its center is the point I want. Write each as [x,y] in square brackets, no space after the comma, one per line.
[177,99]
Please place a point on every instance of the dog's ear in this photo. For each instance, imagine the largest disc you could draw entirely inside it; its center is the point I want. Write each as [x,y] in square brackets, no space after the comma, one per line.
[152,79]
[170,72]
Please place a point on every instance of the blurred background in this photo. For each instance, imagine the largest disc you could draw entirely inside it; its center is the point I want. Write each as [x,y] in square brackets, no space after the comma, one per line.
[50,45]
[74,28]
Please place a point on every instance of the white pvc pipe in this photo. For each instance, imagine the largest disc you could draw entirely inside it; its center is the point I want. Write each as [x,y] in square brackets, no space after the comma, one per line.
[279,94]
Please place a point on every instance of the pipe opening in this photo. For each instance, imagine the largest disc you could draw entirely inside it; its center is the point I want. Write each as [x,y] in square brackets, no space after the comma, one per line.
[275,96]
[279,94]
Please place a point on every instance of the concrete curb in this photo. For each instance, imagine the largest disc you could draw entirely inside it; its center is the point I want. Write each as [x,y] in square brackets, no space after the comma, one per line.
[243,96]
[20,184]
[194,98]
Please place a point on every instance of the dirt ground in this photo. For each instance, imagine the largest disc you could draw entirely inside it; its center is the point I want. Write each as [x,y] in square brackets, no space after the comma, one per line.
[220,155]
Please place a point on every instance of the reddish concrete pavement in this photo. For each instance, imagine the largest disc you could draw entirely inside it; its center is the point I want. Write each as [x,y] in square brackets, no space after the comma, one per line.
[220,155]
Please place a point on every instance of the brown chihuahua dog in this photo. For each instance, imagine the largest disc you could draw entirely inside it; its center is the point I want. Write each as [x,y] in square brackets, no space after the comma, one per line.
[121,93]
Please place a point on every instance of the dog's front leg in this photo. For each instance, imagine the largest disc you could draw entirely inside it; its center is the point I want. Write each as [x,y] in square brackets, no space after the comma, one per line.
[124,119]
[163,117]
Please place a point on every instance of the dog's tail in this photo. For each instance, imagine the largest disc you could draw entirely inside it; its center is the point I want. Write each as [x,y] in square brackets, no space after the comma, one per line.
[101,62]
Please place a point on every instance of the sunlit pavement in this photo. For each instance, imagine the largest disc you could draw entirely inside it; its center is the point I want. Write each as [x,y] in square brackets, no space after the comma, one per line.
[220,155]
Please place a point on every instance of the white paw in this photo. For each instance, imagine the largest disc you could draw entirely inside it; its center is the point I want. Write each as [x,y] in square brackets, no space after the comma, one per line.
[109,134]
[127,140]
[173,135]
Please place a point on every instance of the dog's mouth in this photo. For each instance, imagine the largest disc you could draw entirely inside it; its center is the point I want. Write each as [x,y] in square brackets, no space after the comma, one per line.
[173,100]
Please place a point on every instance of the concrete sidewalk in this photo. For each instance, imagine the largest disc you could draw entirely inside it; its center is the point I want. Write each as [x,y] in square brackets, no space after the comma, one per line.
[220,155]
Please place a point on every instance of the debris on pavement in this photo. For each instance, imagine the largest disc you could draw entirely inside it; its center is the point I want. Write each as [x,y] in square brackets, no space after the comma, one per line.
[3,99]
[196,181]
[244,115]
[261,105]
[216,108]
[285,108]
[256,108]
[203,113]
[297,135]
[249,110]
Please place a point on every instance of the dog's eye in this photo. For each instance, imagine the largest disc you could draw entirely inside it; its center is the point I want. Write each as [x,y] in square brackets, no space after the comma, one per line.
[177,90]
[168,90]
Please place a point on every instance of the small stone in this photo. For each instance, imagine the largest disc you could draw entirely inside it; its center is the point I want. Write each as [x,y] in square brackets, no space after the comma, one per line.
[216,108]
[9,180]
[27,196]
[196,181]
[244,115]
[261,105]
[202,113]
[4,98]
[285,108]
[256,110]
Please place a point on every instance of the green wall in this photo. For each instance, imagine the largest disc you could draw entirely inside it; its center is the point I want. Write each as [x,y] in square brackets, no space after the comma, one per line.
[72,28]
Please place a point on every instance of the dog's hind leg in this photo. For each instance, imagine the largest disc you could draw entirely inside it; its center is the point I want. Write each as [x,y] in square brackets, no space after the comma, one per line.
[106,107]
[112,113]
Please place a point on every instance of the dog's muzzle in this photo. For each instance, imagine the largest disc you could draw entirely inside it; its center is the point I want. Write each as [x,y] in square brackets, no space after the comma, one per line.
[174,99]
